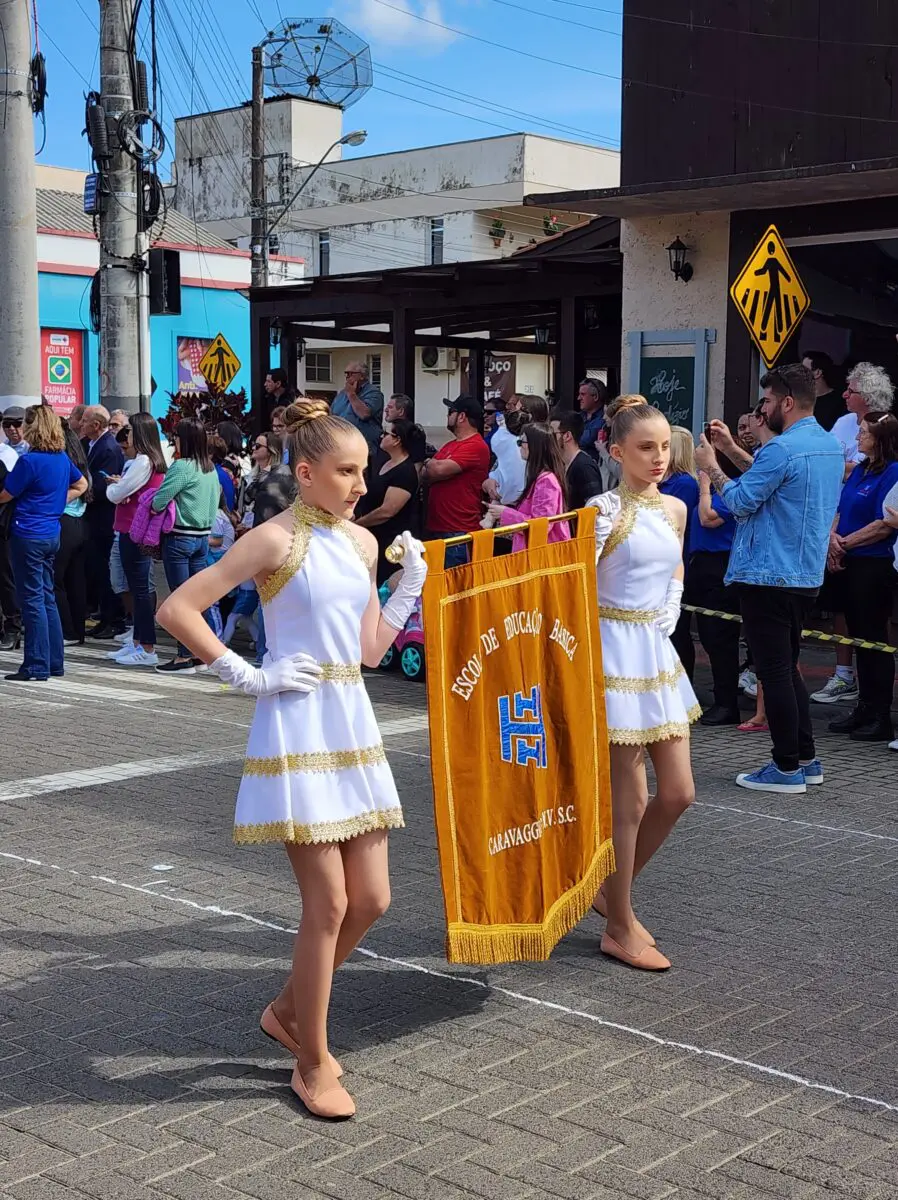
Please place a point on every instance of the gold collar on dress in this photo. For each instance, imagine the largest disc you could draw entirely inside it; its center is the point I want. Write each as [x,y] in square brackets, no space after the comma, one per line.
[628,496]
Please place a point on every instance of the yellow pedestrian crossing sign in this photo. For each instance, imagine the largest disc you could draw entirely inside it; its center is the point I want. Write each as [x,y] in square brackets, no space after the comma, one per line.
[769,295]
[219,364]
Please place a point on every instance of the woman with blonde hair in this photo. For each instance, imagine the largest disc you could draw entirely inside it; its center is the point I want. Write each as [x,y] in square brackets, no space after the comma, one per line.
[42,482]
[649,702]
[682,481]
[315,777]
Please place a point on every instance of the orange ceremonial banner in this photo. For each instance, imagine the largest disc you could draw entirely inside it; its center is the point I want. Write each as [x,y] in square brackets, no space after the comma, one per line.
[519,745]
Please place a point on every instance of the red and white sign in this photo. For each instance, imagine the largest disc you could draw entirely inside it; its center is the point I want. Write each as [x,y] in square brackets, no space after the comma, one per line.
[62,368]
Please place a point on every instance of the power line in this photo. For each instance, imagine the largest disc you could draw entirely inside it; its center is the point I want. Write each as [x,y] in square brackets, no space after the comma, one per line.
[663,87]
[482,102]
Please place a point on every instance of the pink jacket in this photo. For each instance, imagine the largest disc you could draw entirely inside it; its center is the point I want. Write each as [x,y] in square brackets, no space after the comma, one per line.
[546,499]
[147,527]
[124,512]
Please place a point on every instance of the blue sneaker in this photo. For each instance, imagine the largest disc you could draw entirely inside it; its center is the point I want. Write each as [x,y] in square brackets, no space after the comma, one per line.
[813,773]
[772,779]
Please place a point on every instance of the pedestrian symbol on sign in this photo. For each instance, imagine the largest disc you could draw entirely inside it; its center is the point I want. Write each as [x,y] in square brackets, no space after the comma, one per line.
[769,295]
[219,364]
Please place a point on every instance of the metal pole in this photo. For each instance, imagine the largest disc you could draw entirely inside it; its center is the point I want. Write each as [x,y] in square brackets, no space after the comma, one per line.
[259,236]
[20,355]
[145,371]
[120,350]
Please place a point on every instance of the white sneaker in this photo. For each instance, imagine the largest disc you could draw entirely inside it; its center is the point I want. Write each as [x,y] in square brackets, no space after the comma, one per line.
[126,638]
[140,658]
[837,691]
[748,681]
[119,655]
[893,745]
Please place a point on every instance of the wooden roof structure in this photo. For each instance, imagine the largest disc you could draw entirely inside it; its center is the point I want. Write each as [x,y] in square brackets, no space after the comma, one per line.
[560,297]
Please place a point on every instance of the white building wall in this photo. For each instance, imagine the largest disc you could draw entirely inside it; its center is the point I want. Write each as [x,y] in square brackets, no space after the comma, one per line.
[654,300]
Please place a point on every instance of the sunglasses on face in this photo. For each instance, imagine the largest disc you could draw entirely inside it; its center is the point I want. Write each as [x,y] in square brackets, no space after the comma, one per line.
[12,424]
[260,446]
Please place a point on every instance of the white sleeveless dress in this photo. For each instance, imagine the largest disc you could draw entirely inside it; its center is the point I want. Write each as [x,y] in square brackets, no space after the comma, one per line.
[315,768]
[648,697]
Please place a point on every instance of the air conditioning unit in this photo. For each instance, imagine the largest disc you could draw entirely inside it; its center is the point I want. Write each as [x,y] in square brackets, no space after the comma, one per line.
[439,362]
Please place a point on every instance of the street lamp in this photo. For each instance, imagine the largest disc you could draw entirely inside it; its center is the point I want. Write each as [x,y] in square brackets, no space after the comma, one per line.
[356,138]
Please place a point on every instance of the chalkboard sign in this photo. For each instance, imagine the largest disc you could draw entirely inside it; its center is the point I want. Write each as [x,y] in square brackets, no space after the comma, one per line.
[669,384]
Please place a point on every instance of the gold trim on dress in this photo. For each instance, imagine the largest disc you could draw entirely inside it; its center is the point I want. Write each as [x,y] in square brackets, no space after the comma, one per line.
[317,761]
[657,733]
[636,616]
[341,672]
[317,516]
[302,536]
[320,831]
[639,684]
[621,531]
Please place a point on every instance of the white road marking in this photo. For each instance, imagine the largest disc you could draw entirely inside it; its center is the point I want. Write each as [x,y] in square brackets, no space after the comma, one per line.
[469,981]
[747,812]
[62,781]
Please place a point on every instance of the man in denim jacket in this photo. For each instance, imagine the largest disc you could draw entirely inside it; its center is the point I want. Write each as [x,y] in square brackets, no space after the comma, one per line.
[784,505]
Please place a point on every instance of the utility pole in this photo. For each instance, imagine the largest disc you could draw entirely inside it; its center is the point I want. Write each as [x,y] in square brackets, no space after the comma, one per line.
[258,207]
[120,266]
[20,356]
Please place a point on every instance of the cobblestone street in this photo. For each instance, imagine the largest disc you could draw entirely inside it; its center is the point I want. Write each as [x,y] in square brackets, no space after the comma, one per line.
[140,947]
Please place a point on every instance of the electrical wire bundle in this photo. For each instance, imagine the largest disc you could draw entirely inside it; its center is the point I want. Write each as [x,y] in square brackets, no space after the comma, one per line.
[131,129]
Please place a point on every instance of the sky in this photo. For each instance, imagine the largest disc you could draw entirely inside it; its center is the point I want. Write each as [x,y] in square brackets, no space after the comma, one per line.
[444,70]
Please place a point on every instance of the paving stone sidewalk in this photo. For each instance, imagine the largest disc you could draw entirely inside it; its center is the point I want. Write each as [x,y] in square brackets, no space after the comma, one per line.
[132,1066]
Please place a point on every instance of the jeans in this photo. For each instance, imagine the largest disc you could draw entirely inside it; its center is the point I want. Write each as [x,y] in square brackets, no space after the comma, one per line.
[32,563]
[720,638]
[456,556]
[183,556]
[70,576]
[773,620]
[864,590]
[138,568]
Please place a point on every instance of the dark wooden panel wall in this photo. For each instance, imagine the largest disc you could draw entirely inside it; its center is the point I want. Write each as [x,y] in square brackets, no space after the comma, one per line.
[723,87]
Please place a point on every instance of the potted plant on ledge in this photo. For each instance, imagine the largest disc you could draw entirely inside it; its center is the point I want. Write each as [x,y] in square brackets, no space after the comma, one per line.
[497,232]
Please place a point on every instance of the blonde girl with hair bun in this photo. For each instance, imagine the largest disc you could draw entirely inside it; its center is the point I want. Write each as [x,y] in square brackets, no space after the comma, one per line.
[649,701]
[315,776]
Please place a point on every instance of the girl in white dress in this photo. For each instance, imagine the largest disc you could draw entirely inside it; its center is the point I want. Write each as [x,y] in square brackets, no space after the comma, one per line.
[315,776]
[649,701]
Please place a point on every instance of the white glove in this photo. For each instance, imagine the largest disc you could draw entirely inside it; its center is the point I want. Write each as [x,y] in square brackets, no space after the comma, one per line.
[398,608]
[667,620]
[298,673]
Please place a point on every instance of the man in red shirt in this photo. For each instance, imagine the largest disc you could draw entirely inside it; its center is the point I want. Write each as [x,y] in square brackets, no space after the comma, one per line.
[455,476]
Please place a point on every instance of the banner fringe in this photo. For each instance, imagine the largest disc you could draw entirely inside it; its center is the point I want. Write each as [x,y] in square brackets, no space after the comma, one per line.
[491,945]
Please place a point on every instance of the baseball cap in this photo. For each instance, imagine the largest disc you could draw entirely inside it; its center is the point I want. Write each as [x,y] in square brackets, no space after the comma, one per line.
[14,413]
[467,405]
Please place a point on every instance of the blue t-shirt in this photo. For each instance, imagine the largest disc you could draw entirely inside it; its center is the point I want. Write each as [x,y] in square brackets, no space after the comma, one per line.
[226,479]
[39,482]
[863,496]
[685,488]
[713,541]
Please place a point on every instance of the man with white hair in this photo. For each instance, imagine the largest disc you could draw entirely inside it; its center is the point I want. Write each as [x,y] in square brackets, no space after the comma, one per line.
[869,389]
[361,404]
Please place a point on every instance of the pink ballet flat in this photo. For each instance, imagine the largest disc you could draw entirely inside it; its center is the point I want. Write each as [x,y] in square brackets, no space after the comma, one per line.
[335,1104]
[271,1027]
[648,958]
[599,906]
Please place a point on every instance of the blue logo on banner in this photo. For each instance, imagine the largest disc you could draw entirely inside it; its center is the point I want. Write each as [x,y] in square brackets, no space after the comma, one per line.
[522,733]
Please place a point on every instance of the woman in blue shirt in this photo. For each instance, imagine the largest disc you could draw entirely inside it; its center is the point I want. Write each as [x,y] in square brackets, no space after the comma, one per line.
[710,540]
[43,481]
[681,482]
[860,559]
